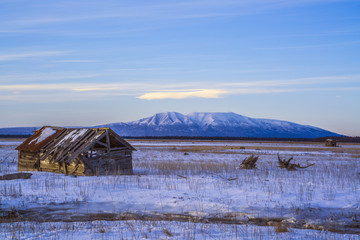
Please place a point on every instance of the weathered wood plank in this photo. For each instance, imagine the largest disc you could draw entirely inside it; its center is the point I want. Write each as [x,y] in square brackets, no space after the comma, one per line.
[75,157]
[69,146]
[122,141]
[53,148]
[13,176]
[108,141]
[101,143]
[50,144]
[82,148]
[122,151]
[64,145]
[72,151]
[119,149]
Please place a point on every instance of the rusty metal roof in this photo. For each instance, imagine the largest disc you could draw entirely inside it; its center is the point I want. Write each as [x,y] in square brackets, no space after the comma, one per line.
[40,138]
[65,144]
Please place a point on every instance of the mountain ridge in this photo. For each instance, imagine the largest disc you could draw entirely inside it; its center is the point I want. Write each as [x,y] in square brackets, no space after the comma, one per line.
[215,124]
[203,124]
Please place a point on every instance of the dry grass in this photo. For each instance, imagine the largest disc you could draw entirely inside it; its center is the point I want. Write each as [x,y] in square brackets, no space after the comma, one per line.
[227,141]
[168,233]
[206,167]
[231,149]
[188,168]
[151,230]
[281,228]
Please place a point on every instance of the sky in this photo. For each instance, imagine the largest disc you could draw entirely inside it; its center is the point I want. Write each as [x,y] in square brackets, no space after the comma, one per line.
[85,63]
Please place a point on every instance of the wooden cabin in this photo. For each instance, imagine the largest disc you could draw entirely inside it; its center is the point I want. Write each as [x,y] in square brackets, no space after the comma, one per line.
[330,143]
[76,151]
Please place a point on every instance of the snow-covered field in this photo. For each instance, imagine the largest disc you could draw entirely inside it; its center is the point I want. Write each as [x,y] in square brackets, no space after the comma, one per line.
[198,184]
[155,230]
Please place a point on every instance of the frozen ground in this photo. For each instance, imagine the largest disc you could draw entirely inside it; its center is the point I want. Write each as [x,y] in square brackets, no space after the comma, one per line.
[155,230]
[194,181]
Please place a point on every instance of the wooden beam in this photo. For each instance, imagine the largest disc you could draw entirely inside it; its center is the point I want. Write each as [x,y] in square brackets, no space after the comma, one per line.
[51,146]
[101,143]
[55,140]
[119,148]
[88,143]
[108,141]
[122,141]
[72,148]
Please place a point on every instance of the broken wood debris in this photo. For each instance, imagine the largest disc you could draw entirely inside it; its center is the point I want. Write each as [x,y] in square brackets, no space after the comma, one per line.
[285,163]
[14,176]
[76,151]
[182,176]
[249,162]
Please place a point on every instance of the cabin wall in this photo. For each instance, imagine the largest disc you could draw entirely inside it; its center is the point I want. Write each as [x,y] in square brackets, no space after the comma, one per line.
[27,161]
[97,151]
[71,169]
[77,168]
[116,162]
[330,143]
[123,161]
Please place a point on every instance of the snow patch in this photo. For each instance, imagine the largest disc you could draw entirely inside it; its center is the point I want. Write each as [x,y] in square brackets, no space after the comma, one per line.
[78,134]
[47,132]
[73,135]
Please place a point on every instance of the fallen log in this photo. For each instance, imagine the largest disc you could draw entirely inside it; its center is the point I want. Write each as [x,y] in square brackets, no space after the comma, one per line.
[14,176]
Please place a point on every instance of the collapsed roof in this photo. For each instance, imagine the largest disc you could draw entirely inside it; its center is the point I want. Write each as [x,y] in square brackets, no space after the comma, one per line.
[65,144]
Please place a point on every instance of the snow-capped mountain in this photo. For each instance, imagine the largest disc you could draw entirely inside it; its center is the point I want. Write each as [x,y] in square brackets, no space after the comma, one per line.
[215,125]
[202,124]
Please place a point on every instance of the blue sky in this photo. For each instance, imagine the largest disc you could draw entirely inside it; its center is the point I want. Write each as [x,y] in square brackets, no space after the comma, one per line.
[95,62]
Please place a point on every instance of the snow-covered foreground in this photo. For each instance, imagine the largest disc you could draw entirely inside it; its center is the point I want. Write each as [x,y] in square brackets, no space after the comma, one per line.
[154,230]
[196,180]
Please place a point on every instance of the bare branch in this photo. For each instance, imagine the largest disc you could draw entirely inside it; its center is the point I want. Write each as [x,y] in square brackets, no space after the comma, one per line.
[249,162]
[283,163]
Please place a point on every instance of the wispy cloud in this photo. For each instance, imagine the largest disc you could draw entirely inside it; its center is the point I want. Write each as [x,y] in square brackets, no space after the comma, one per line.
[297,81]
[132,69]
[157,91]
[325,33]
[67,11]
[77,61]
[76,87]
[310,46]
[18,56]
[43,77]
[17,31]
[203,93]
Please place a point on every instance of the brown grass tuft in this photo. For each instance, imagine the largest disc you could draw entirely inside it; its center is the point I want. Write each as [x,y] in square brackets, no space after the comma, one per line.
[281,228]
[168,233]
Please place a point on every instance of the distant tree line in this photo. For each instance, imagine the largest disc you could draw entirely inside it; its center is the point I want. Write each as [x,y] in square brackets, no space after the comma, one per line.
[322,139]
[14,136]
[339,139]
